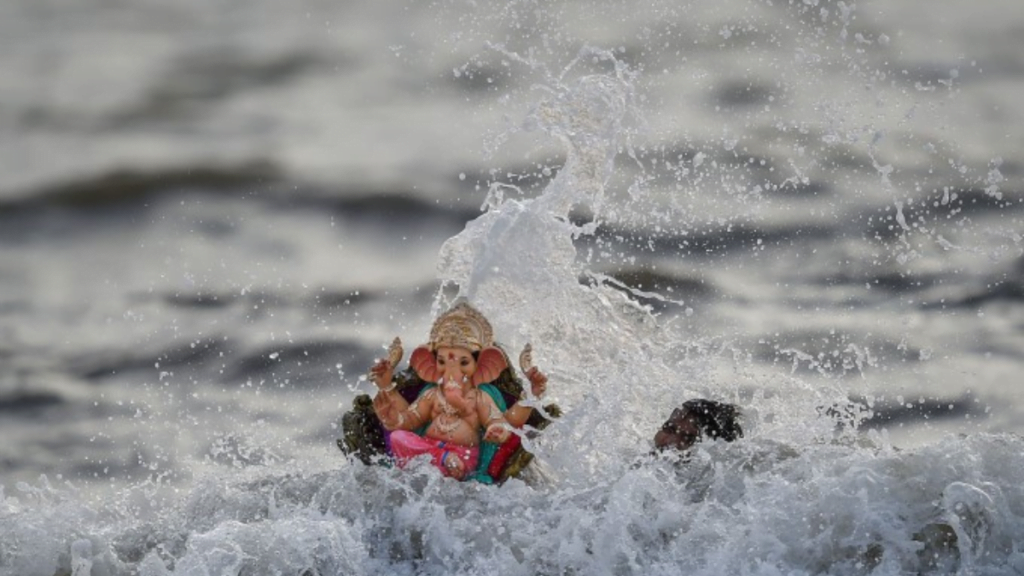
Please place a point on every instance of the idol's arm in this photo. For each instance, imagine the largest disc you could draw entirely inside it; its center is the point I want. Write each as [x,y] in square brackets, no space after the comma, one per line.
[391,408]
[498,428]
[517,415]
[397,414]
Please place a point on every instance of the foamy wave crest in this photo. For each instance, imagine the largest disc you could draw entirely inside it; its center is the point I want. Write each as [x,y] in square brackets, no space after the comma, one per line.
[753,507]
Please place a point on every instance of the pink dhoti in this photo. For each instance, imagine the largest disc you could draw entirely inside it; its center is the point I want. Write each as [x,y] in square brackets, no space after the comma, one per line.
[406,445]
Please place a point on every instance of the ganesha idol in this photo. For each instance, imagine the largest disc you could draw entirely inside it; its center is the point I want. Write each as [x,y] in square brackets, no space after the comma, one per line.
[457,403]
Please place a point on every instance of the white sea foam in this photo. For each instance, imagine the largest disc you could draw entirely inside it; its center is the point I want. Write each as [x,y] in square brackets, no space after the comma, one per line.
[755,507]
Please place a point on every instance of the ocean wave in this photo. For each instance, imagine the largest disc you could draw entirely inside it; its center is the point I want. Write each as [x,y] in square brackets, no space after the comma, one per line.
[831,352]
[1006,285]
[301,364]
[215,359]
[711,240]
[138,185]
[1004,290]
[255,181]
[658,290]
[25,403]
[755,506]
[104,365]
[205,76]
[323,299]
[888,412]
[936,210]
[893,280]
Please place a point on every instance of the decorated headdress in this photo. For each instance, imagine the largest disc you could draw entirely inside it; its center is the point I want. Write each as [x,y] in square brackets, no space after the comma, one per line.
[461,327]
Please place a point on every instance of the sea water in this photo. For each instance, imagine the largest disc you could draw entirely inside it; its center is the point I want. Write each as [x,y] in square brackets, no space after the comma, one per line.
[212,220]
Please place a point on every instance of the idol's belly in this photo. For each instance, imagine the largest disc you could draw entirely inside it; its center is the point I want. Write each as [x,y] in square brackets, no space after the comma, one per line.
[454,430]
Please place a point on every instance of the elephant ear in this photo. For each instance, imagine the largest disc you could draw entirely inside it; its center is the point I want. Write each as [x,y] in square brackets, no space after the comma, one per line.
[489,366]
[424,363]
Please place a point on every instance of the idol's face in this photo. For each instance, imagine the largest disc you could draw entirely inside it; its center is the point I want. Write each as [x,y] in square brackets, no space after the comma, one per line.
[456,362]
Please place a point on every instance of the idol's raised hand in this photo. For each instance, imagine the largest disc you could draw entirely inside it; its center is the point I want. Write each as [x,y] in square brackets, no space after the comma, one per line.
[381,372]
[538,381]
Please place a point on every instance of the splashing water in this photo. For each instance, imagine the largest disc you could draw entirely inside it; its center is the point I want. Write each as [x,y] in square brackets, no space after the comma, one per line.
[616,366]
[519,264]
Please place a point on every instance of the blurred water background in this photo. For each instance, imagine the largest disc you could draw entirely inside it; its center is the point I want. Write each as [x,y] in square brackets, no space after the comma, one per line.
[213,216]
